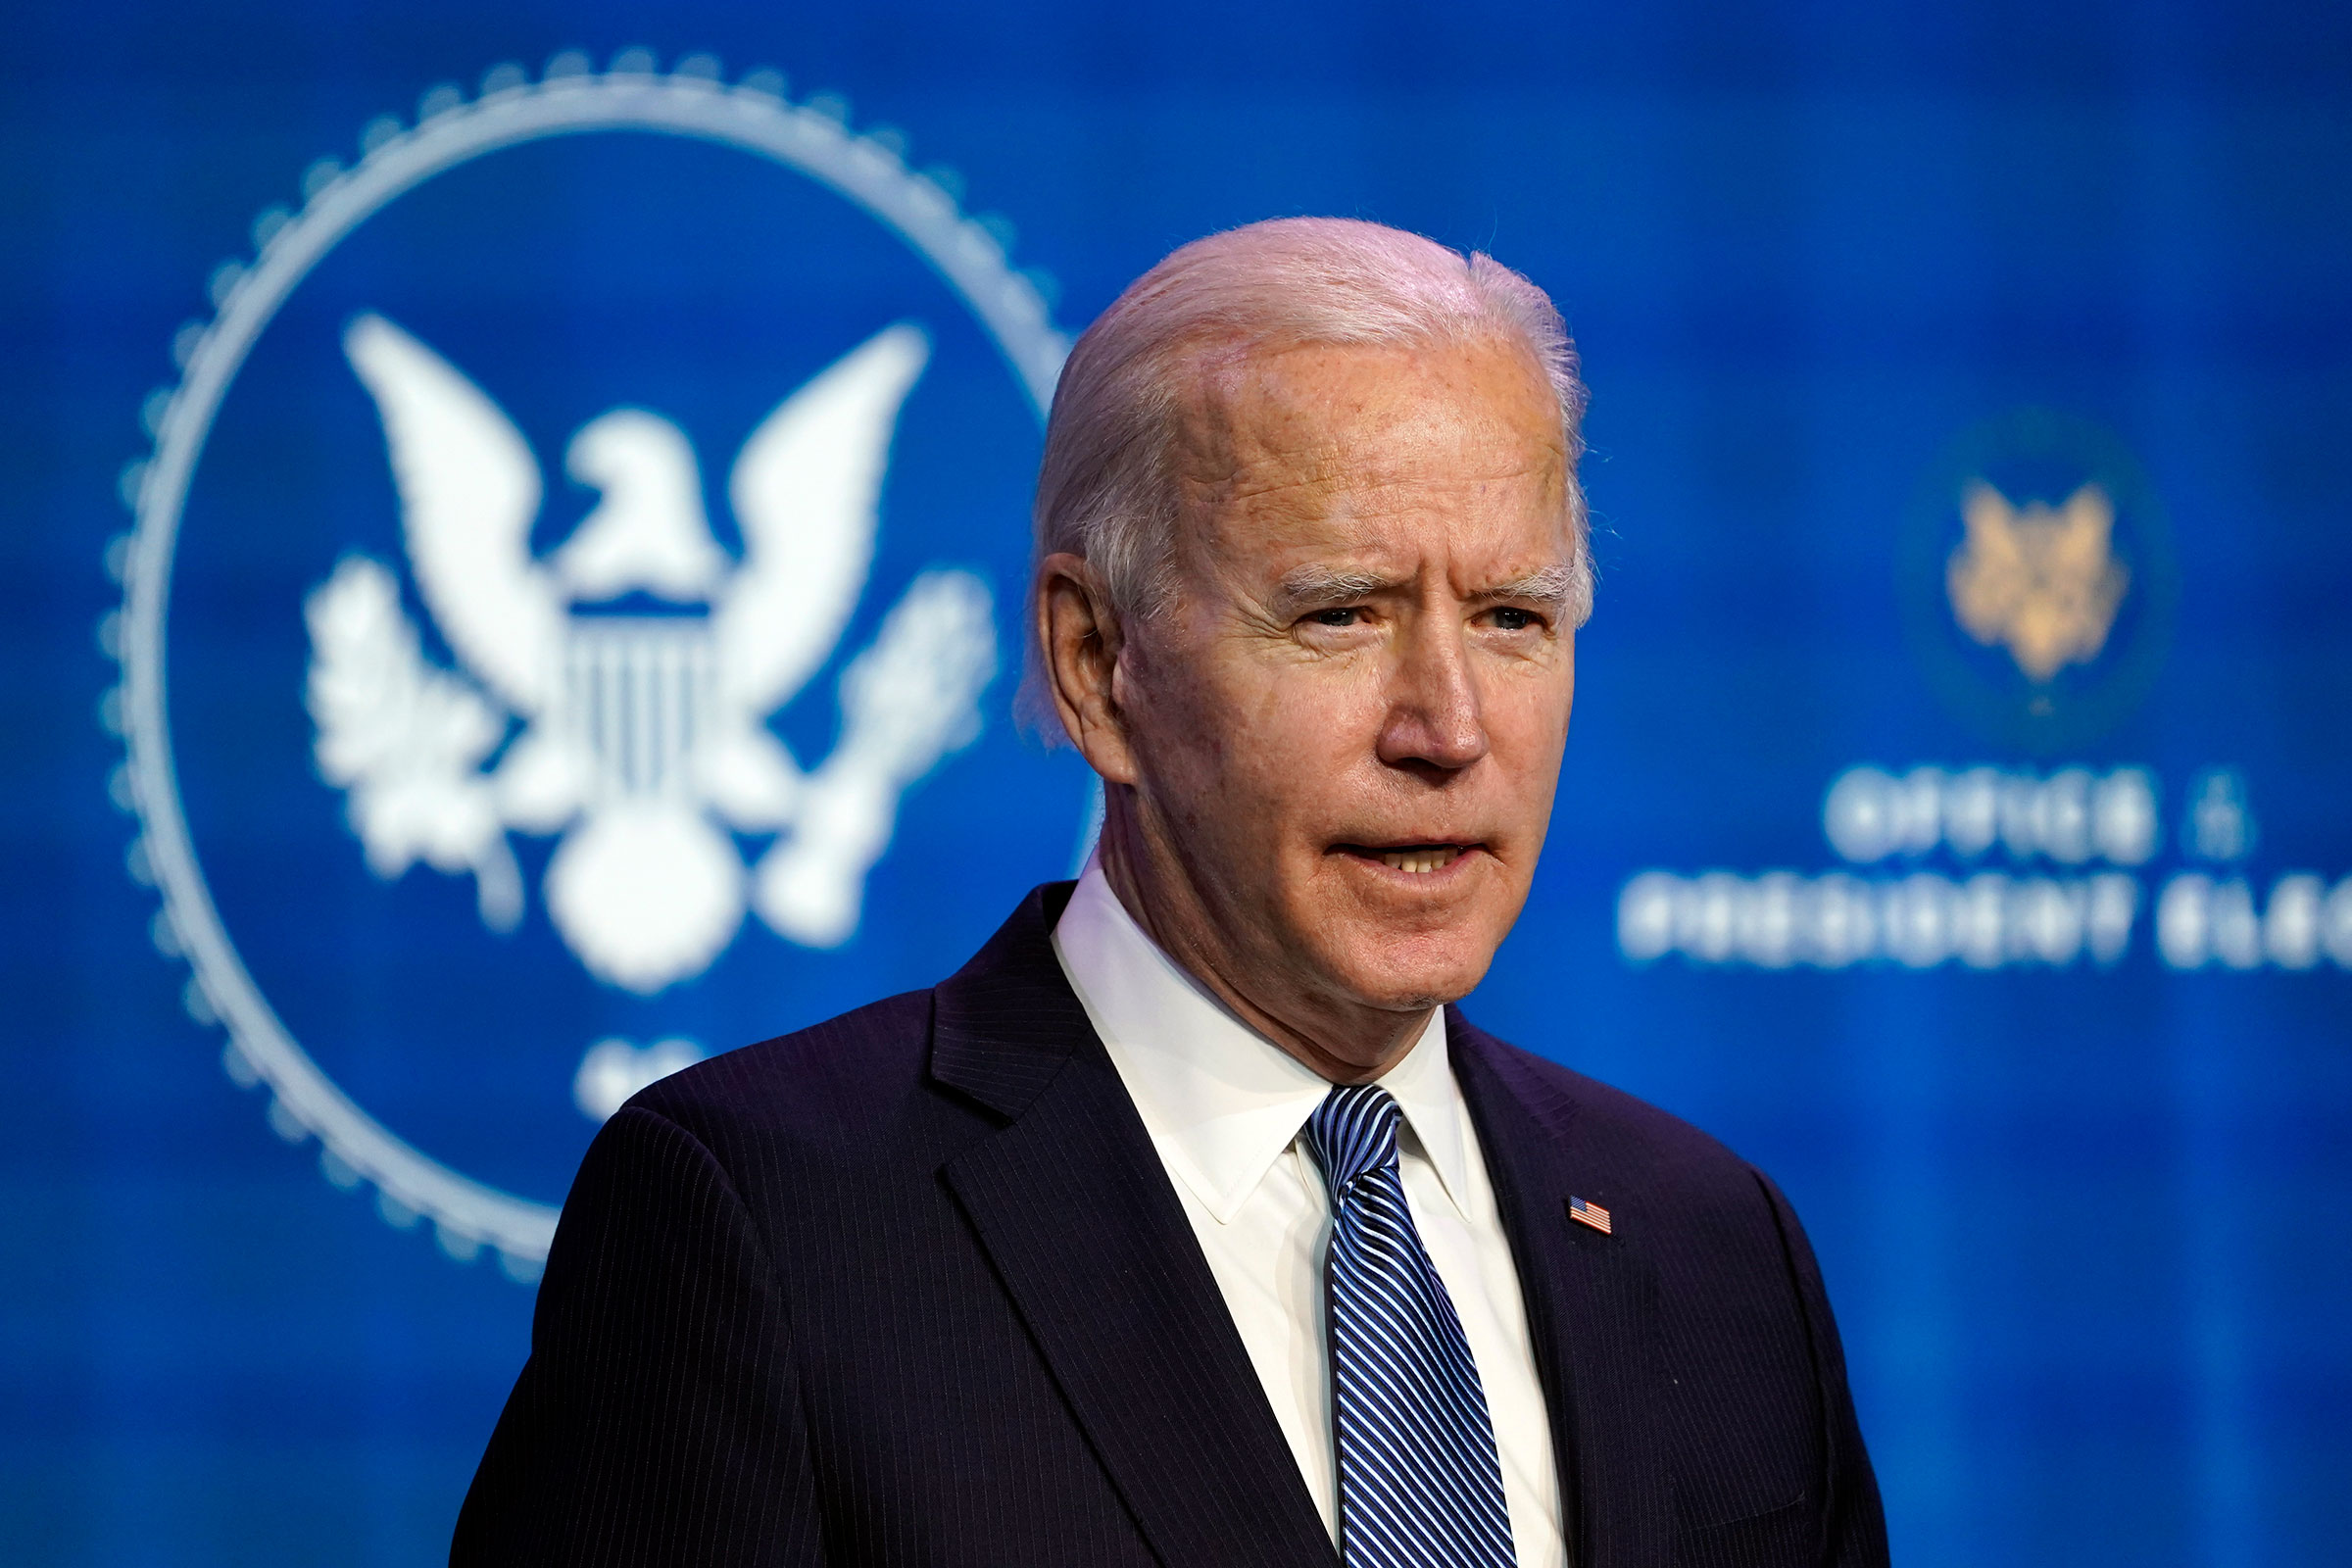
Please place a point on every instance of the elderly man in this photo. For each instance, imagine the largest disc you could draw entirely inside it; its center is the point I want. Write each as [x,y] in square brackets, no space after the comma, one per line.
[1188,1223]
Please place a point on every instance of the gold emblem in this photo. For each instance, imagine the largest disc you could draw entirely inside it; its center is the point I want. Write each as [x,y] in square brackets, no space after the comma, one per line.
[2041,580]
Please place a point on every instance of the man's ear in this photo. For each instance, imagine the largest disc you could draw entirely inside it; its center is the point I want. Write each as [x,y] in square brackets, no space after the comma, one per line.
[1080,634]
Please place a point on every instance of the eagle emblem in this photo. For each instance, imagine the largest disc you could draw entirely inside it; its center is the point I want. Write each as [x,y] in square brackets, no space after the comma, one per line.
[639,736]
[2040,580]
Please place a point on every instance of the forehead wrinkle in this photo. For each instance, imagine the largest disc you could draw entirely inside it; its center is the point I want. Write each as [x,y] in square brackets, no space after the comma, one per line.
[1224,457]
[1250,427]
[1262,454]
[1335,486]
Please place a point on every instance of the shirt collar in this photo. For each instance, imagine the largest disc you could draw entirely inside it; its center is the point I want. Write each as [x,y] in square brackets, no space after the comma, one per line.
[1220,1101]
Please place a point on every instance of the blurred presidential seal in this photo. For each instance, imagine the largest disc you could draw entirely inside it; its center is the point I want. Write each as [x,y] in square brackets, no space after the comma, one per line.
[563,623]
[2038,581]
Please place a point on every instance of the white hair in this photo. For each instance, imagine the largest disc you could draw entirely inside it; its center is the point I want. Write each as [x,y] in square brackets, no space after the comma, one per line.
[1107,490]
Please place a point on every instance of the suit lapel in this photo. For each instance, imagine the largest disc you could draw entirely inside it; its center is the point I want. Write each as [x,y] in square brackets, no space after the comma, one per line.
[1591,1307]
[1076,1211]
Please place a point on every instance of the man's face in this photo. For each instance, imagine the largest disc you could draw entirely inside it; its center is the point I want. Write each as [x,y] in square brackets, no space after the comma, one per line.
[1344,732]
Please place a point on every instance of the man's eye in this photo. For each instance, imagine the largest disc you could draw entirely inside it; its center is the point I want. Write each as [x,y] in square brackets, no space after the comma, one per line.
[1508,619]
[1347,616]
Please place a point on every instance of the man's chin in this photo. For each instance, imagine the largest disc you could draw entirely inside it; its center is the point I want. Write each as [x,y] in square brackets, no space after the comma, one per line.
[1406,976]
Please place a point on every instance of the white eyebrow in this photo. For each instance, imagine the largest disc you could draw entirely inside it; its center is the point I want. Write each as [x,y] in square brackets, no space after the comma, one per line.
[1552,588]
[1305,589]
[1317,587]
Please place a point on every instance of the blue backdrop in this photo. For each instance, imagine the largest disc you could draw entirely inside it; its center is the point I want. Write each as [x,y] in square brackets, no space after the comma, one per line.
[1955,817]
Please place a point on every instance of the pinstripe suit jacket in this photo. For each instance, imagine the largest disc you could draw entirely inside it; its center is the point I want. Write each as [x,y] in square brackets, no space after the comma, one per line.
[913,1287]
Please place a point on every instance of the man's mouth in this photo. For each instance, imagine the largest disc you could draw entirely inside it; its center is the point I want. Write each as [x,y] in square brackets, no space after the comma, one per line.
[1414,859]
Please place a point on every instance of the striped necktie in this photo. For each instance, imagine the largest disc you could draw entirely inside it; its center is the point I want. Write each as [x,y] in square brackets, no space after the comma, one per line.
[1420,1483]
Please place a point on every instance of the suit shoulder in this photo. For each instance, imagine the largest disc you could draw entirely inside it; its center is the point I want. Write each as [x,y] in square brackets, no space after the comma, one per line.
[1715,1215]
[1620,1128]
[848,1075]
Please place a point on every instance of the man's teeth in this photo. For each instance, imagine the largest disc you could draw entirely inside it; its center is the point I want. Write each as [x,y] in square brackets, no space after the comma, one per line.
[1418,861]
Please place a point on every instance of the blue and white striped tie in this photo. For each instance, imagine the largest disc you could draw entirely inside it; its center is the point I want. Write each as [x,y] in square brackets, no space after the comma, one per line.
[1420,1483]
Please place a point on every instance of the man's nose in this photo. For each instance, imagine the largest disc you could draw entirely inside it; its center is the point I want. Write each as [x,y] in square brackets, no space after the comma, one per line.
[1433,718]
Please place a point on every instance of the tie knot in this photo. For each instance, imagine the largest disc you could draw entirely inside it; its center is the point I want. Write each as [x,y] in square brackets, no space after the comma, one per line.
[1354,1133]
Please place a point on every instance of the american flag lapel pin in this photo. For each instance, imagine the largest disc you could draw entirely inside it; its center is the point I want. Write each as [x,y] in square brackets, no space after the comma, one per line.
[1592,1214]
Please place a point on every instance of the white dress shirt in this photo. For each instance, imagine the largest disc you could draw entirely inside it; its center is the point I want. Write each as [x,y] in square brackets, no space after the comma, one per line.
[1225,1109]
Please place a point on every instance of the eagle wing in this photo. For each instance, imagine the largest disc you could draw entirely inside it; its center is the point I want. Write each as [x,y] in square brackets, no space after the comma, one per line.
[807,491]
[406,740]
[468,492]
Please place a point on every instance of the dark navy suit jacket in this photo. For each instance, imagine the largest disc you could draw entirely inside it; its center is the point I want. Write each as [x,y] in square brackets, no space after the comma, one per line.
[913,1287]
